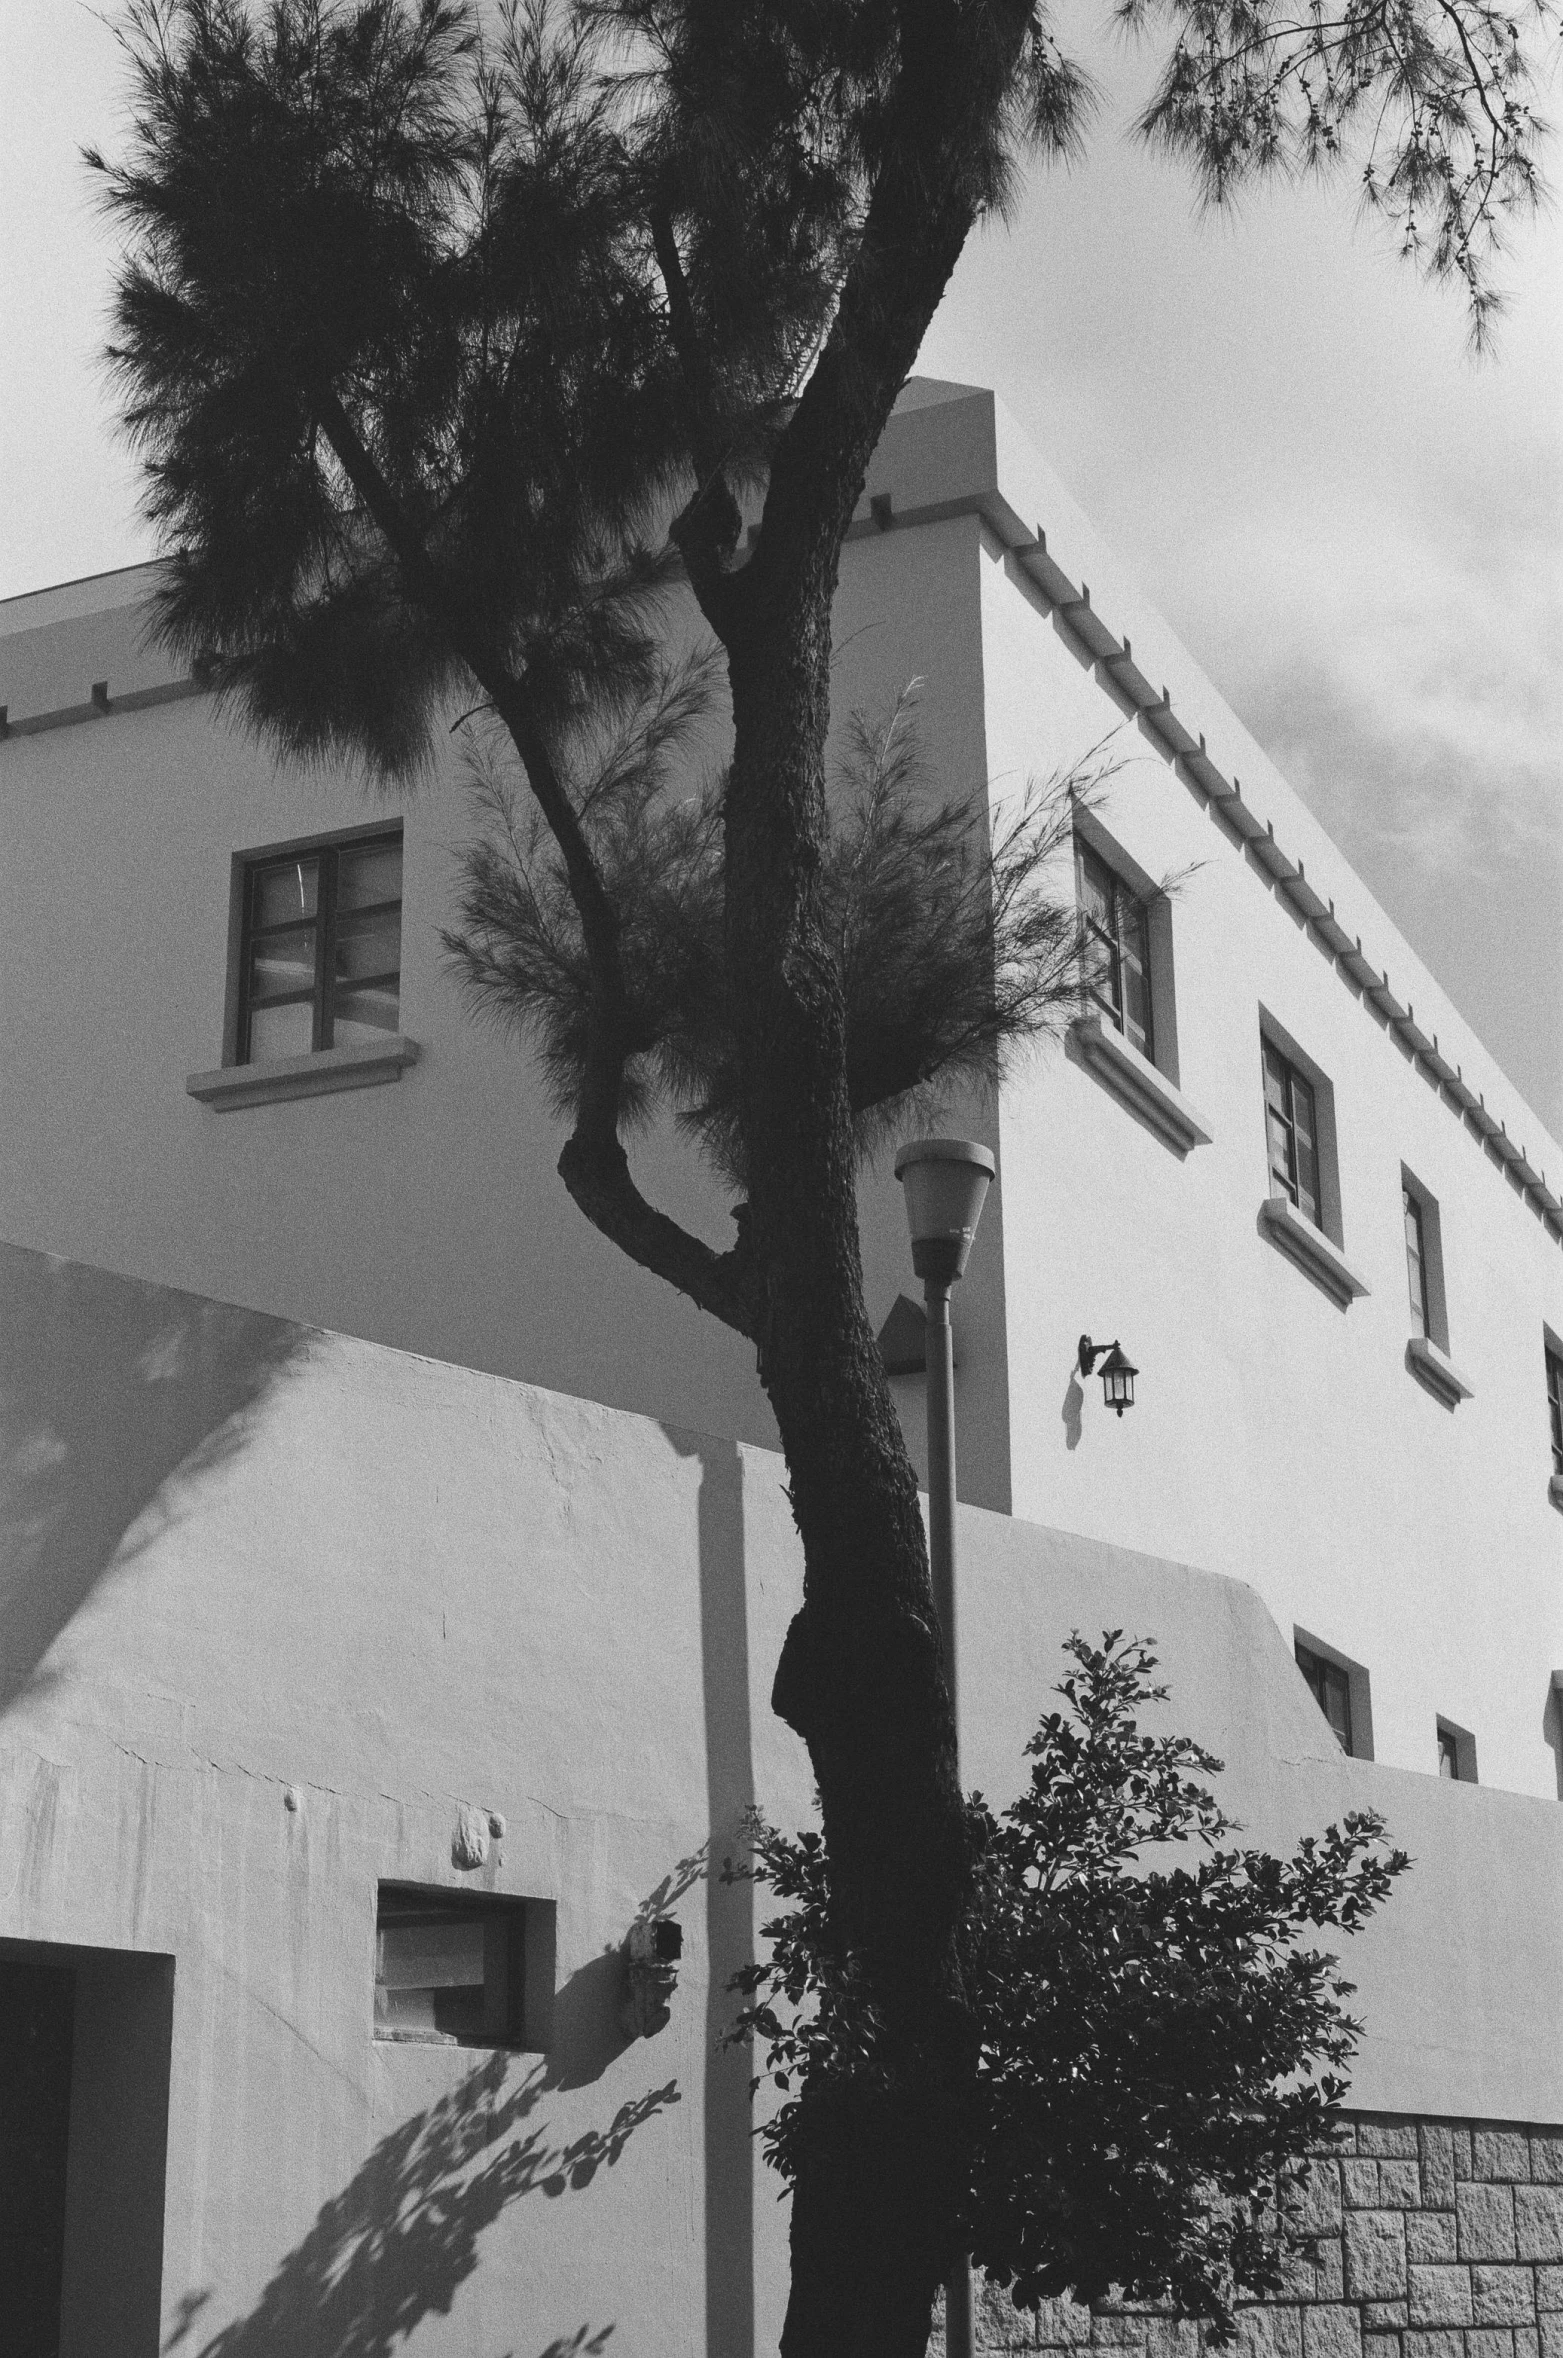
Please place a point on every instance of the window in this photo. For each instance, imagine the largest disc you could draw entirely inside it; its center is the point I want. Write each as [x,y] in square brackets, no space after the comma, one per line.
[1456,1753]
[1291,1123]
[1118,934]
[1331,1688]
[320,960]
[1427,1352]
[1341,1689]
[1555,1407]
[450,1967]
[1416,1262]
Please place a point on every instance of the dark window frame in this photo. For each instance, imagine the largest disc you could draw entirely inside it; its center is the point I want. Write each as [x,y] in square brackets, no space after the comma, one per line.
[325,852]
[1322,1666]
[1417,1263]
[1330,1686]
[1456,1752]
[1124,941]
[506,1978]
[1282,1125]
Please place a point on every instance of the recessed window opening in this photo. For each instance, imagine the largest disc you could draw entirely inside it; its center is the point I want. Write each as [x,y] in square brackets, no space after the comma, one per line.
[1118,944]
[1292,1129]
[320,962]
[1555,1405]
[1416,1261]
[1342,1691]
[1331,1689]
[450,1968]
[1456,1753]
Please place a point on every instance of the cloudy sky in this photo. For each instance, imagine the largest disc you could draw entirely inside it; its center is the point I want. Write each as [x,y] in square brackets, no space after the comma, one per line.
[1355,528]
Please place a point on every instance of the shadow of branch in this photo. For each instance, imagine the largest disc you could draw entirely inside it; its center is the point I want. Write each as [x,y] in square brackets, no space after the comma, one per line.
[398,2242]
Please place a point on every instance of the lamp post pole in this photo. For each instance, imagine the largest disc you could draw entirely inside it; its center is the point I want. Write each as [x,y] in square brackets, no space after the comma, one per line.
[946,1180]
[958,2335]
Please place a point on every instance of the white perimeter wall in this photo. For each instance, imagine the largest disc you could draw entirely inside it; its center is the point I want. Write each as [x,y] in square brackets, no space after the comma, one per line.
[240,1559]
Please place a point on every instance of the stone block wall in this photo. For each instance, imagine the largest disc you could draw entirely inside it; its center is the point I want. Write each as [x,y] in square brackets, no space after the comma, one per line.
[1434,2239]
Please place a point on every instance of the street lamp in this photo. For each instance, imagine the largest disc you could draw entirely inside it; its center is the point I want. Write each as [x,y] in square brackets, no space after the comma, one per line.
[946,1181]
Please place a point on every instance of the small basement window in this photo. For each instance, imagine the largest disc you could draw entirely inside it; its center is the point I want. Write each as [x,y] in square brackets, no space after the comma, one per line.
[451,1968]
[1340,1688]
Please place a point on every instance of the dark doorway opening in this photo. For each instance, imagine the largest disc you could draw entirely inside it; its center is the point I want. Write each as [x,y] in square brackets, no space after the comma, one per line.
[86,2037]
[37,2016]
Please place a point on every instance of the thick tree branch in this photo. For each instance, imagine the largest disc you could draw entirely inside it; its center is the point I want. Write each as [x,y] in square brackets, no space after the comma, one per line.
[919,216]
[597,1174]
[706,532]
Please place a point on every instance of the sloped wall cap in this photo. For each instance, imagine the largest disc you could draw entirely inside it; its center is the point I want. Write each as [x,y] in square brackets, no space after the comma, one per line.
[1139,1084]
[1437,1370]
[1312,1250]
[316,1075]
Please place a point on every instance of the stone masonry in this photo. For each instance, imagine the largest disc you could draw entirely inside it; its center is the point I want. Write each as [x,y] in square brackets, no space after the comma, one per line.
[1433,2239]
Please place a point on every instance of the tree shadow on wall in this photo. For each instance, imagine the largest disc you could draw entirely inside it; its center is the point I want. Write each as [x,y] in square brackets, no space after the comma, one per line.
[108,1389]
[398,2242]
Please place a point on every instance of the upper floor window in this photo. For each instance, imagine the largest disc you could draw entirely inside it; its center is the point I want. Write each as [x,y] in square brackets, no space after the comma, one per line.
[320,961]
[1555,1406]
[1416,1262]
[1456,1753]
[1118,936]
[1291,1122]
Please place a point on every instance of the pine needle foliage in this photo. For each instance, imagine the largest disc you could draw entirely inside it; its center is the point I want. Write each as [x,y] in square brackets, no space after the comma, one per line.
[1160,2050]
[554,271]
[955,935]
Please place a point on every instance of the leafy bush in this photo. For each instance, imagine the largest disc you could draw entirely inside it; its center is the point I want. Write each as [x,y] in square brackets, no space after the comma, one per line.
[1158,2052]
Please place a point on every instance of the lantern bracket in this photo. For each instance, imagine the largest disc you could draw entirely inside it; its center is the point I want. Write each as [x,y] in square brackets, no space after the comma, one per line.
[1117,1372]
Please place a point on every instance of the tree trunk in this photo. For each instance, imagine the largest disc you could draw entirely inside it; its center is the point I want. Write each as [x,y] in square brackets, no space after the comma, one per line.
[861,1676]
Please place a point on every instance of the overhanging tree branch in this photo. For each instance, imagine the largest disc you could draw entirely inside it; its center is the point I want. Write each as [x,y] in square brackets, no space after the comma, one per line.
[593,1165]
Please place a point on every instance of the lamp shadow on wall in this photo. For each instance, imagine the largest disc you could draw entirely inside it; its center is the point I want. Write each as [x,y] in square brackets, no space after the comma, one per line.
[396,2245]
[1074,1403]
[108,1389]
[1552,1729]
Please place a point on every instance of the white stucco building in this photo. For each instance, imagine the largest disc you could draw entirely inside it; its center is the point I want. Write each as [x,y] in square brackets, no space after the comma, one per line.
[480,1589]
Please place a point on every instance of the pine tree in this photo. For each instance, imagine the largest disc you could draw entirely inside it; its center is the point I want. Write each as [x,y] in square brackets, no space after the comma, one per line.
[454,350]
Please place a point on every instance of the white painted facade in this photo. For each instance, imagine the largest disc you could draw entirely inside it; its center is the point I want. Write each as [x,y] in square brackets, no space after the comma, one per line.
[279,1604]
[1278,1436]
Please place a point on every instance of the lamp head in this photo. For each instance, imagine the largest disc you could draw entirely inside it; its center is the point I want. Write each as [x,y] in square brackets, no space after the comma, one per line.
[946,1181]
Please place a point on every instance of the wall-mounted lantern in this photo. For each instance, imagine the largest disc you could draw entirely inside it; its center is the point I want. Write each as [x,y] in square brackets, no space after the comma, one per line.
[1116,1373]
[652,1949]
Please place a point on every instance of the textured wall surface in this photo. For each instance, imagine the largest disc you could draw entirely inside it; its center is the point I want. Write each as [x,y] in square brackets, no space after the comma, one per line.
[1434,2239]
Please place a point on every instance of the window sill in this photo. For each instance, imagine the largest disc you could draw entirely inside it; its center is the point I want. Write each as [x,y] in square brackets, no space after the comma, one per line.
[1137,1083]
[434,2038]
[1438,1371]
[1314,1253]
[317,1075]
